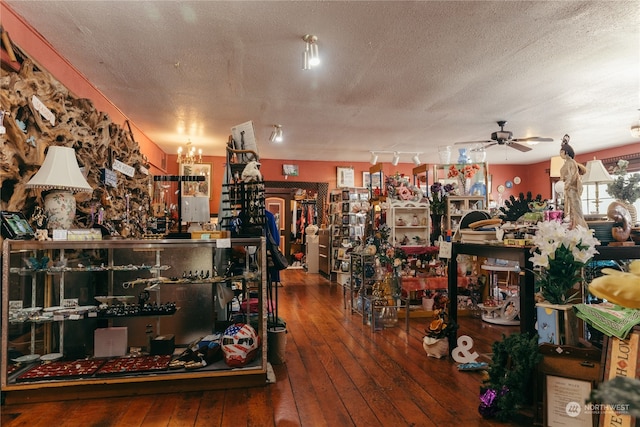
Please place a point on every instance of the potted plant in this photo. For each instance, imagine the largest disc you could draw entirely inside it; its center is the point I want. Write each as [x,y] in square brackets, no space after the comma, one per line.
[559,256]
[625,187]
[439,330]
[508,387]
[438,207]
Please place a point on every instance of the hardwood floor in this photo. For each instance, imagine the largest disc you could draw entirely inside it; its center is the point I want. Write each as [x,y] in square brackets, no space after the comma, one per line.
[337,373]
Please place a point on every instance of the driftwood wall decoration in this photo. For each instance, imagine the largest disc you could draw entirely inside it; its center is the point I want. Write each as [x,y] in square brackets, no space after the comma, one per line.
[96,140]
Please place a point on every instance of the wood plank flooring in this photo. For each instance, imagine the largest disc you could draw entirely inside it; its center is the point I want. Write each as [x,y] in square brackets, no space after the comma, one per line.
[337,373]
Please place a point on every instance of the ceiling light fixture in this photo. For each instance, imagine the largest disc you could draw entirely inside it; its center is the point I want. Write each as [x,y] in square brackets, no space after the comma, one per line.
[189,157]
[276,134]
[396,159]
[374,158]
[310,57]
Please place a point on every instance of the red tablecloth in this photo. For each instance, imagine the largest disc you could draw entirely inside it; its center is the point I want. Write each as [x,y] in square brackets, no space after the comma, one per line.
[430,283]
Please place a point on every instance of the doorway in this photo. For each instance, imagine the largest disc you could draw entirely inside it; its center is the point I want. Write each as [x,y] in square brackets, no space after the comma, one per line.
[288,198]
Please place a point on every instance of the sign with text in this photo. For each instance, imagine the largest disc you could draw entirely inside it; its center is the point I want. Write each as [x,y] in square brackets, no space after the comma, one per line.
[123,168]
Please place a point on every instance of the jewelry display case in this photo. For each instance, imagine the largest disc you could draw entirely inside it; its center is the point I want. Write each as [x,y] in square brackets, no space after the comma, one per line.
[117,317]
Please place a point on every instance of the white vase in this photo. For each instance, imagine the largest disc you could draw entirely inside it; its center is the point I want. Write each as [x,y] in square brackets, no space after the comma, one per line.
[435,347]
[445,154]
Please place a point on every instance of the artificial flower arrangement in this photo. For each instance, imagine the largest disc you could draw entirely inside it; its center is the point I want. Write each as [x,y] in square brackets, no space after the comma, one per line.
[438,199]
[400,188]
[466,172]
[440,326]
[558,258]
[624,187]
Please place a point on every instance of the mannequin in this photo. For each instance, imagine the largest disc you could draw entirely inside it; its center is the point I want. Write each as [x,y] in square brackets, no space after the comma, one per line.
[570,174]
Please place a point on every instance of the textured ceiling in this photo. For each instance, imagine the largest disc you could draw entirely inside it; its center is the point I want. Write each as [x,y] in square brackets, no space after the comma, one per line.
[405,76]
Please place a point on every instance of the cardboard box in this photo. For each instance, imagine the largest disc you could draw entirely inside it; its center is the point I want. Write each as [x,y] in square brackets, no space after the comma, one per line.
[110,342]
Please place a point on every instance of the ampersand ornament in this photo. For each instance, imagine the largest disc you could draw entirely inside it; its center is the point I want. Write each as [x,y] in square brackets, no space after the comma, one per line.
[462,353]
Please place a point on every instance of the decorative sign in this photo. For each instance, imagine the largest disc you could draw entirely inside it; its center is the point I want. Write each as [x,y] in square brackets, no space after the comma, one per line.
[445,250]
[43,110]
[109,177]
[565,398]
[124,168]
[622,361]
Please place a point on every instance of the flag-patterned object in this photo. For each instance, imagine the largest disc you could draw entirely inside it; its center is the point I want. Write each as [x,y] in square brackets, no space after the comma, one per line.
[240,344]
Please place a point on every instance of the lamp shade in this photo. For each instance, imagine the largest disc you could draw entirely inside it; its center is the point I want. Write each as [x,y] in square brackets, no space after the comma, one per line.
[555,166]
[596,173]
[60,171]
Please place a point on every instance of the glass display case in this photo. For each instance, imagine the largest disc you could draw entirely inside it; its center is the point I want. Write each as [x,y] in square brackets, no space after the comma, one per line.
[137,315]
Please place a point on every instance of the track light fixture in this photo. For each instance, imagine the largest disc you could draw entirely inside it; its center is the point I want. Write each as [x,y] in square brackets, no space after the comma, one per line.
[310,57]
[396,157]
[276,134]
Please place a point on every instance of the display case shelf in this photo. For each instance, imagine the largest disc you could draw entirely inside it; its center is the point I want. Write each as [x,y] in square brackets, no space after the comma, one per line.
[144,303]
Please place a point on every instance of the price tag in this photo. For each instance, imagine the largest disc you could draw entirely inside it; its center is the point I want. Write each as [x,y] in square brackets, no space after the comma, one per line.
[75,317]
[58,317]
[445,250]
[223,243]
[92,314]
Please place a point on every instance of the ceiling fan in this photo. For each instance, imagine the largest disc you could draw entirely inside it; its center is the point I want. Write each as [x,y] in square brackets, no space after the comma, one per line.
[505,137]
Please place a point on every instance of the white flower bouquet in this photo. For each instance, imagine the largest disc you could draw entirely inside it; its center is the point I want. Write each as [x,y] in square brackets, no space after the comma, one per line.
[558,258]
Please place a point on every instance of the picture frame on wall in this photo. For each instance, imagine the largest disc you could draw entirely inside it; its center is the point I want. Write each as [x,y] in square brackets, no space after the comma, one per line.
[369,181]
[197,188]
[345,177]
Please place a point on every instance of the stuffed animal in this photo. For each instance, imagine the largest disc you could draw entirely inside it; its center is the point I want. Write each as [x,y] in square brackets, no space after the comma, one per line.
[251,173]
[41,234]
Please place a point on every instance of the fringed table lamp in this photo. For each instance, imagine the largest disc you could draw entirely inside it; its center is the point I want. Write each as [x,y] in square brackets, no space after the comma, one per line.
[60,175]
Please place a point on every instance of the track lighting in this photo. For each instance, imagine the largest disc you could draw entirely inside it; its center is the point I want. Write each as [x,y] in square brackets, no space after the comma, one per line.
[276,134]
[310,57]
[396,159]
[374,158]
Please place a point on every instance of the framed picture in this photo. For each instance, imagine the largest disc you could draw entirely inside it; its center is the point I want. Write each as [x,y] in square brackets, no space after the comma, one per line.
[197,188]
[290,170]
[345,177]
[372,182]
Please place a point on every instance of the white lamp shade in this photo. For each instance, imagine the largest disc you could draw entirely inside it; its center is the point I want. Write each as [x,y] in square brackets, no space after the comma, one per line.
[596,173]
[555,166]
[60,171]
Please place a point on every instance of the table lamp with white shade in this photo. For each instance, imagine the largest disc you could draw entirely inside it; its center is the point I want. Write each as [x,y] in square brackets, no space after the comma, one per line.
[60,175]
[596,174]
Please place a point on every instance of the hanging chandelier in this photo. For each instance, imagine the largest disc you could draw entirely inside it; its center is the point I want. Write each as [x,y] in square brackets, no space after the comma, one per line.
[189,156]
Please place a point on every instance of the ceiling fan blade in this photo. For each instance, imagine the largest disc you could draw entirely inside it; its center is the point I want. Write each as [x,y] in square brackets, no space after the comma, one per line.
[519,147]
[533,138]
[471,142]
